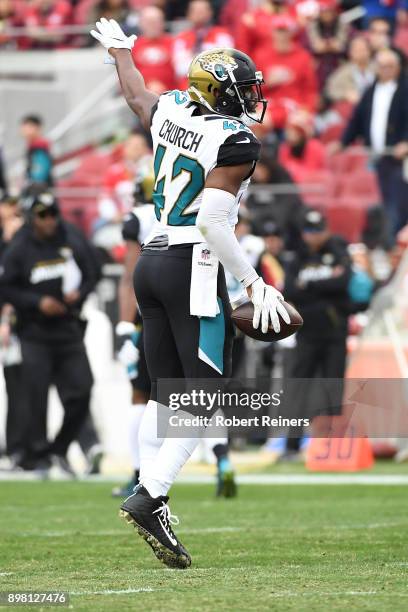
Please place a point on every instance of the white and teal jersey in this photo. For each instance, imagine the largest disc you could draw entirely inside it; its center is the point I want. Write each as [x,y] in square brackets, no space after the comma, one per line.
[187,146]
[138,223]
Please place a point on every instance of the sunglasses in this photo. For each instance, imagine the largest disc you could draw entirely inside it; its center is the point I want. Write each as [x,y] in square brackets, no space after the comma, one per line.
[50,212]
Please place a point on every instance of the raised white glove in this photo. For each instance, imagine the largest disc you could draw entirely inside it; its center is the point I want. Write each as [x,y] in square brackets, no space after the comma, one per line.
[111,35]
[267,303]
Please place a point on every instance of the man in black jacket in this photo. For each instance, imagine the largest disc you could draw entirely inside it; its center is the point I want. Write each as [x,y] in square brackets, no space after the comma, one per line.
[381,121]
[317,283]
[47,273]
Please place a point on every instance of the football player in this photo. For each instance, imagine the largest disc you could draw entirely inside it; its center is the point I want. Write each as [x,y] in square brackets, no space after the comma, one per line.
[136,227]
[204,155]
[137,224]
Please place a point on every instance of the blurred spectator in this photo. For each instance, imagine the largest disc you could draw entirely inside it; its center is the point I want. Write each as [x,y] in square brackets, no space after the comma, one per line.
[275,195]
[306,11]
[380,37]
[43,18]
[379,34]
[152,52]
[119,180]
[389,11]
[350,80]
[10,220]
[39,160]
[327,37]
[300,153]
[46,275]
[290,79]
[255,27]
[10,351]
[200,36]
[317,282]
[361,286]
[231,14]
[174,9]
[8,19]
[270,266]
[381,121]
[114,9]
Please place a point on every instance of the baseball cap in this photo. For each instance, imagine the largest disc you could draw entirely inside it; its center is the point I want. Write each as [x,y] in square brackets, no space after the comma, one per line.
[37,201]
[314,221]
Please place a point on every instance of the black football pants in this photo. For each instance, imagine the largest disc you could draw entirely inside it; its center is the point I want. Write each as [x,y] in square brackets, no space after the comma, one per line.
[172,336]
[315,358]
[16,409]
[66,366]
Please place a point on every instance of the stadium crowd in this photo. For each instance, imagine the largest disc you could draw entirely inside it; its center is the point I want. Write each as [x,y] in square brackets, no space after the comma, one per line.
[335,75]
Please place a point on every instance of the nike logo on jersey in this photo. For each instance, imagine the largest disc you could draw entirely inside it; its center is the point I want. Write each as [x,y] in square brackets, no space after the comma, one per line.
[243,141]
[177,135]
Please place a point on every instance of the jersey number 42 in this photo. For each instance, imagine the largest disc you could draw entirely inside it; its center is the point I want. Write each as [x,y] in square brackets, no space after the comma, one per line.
[176,207]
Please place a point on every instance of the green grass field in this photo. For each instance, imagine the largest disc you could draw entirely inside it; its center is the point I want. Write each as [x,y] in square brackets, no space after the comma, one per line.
[316,547]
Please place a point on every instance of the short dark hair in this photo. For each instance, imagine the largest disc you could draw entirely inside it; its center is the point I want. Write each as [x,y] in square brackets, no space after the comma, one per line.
[34,119]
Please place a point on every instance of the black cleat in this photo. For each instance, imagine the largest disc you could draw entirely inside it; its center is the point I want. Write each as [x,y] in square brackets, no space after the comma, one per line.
[152,518]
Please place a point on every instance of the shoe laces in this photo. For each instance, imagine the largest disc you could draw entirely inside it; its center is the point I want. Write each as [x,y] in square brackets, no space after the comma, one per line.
[166,516]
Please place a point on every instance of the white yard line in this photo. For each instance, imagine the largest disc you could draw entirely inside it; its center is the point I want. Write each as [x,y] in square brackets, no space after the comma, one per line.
[276,595]
[114,591]
[335,593]
[324,594]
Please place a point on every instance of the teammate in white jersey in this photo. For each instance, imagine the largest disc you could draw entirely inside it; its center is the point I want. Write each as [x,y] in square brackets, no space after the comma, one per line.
[204,155]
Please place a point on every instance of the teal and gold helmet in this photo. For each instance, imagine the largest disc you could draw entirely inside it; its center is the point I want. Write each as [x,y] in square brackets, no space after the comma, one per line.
[227,83]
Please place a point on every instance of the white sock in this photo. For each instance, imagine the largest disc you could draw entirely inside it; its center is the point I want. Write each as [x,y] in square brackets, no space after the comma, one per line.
[149,442]
[135,418]
[171,457]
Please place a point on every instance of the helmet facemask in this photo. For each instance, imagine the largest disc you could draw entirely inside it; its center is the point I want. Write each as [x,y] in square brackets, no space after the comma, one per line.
[241,99]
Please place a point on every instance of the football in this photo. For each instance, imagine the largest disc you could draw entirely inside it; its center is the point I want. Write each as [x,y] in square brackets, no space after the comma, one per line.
[243,315]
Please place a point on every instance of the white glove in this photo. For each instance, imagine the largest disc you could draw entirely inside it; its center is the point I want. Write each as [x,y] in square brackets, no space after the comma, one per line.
[267,303]
[128,354]
[111,35]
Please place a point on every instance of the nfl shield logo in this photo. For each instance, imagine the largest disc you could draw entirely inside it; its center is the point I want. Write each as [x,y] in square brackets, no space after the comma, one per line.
[205,254]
